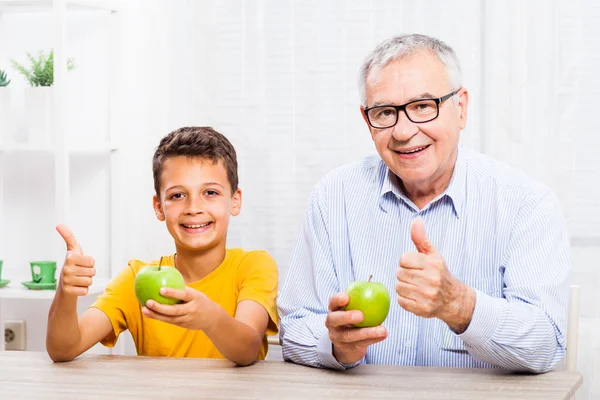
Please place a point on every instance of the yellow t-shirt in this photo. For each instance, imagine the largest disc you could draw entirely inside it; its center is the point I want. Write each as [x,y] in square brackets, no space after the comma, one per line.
[243,275]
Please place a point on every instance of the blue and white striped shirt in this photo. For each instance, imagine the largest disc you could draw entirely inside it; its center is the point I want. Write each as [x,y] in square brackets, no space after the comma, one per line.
[499,232]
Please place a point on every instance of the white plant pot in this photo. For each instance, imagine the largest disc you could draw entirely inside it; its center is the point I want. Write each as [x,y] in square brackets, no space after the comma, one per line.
[38,114]
[5,115]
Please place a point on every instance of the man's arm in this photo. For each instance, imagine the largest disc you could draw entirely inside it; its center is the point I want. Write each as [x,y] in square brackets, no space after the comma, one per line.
[304,301]
[525,330]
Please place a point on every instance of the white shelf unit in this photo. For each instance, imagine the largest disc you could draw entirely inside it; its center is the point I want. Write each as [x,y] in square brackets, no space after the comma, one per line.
[15,291]
[28,6]
[73,149]
[61,150]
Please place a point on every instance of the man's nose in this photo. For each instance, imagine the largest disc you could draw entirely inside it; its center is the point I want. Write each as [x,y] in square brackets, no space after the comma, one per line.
[404,128]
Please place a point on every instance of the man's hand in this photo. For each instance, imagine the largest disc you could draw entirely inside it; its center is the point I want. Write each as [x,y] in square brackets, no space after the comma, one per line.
[349,343]
[78,269]
[426,288]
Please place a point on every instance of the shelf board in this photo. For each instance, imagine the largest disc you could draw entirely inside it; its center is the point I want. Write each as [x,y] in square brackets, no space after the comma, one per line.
[72,149]
[36,6]
[93,148]
[96,5]
[25,147]
[15,290]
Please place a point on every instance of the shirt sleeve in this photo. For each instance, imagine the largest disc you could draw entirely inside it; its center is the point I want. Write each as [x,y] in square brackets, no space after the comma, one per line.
[310,282]
[259,283]
[525,330]
[115,302]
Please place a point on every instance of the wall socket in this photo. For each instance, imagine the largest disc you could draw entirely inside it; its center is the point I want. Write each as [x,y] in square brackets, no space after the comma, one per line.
[14,335]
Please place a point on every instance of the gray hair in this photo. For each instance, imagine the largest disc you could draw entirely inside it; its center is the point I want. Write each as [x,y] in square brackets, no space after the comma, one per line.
[406,45]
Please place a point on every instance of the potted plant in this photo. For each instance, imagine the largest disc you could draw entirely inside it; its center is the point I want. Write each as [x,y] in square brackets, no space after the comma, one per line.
[39,97]
[4,106]
[4,81]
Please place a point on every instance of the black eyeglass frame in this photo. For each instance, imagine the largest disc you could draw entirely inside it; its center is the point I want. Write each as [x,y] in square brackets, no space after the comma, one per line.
[402,107]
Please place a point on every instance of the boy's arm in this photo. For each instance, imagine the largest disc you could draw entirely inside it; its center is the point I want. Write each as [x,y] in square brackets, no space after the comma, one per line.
[256,312]
[68,336]
[239,339]
[245,332]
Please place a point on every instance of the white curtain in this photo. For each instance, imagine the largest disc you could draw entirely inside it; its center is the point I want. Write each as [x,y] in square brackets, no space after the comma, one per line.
[279,79]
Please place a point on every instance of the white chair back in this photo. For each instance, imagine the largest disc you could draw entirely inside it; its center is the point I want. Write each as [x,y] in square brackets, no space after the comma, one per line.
[273,340]
[573,328]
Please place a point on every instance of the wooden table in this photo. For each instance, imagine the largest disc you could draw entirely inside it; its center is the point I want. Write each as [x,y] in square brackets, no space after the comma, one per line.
[27,375]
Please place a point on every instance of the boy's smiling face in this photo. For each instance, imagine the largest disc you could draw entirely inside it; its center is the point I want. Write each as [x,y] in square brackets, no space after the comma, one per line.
[196,202]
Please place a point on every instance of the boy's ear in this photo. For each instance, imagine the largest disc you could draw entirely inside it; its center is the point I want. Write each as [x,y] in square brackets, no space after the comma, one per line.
[236,203]
[158,208]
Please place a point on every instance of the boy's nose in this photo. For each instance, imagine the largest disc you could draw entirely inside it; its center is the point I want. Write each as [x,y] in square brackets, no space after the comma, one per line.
[194,206]
[194,209]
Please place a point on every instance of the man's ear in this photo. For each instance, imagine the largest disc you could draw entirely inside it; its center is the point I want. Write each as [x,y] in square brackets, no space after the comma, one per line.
[364,116]
[236,203]
[463,103]
[158,208]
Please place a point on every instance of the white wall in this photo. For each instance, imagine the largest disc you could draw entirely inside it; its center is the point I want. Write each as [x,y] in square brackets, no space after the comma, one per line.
[279,79]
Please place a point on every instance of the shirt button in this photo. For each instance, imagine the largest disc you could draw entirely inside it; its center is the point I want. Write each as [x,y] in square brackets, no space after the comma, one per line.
[408,343]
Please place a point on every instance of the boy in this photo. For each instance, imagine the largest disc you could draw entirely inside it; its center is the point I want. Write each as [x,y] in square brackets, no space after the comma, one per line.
[228,305]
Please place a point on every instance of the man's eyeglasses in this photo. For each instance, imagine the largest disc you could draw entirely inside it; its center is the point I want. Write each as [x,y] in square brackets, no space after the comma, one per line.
[418,111]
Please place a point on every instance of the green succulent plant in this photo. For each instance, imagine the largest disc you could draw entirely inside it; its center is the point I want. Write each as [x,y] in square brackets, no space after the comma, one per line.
[4,81]
[41,69]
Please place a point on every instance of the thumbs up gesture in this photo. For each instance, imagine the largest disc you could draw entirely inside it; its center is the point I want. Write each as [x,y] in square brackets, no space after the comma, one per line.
[78,269]
[426,288]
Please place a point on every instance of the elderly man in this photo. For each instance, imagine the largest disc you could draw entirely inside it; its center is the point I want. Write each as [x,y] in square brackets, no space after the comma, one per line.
[475,253]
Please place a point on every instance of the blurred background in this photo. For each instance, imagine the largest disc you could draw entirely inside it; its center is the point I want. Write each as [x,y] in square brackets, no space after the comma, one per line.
[279,79]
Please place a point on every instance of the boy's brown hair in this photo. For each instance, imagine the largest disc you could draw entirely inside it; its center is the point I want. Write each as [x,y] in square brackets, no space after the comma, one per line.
[196,142]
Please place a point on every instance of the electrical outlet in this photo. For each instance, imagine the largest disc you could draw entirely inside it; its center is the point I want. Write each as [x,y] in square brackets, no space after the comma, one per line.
[14,335]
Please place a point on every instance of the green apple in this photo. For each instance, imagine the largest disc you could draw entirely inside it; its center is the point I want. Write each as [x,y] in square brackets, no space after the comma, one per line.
[149,280]
[372,299]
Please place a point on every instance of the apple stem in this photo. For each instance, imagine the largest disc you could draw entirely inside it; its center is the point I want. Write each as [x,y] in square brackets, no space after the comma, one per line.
[160,263]
[370,277]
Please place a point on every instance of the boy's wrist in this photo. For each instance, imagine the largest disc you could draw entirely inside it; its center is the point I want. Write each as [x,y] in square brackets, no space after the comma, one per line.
[214,318]
[63,296]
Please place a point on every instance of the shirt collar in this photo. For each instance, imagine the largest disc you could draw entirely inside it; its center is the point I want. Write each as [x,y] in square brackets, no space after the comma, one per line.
[456,190]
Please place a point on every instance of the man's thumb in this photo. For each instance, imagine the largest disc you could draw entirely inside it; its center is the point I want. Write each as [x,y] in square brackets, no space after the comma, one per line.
[72,244]
[419,238]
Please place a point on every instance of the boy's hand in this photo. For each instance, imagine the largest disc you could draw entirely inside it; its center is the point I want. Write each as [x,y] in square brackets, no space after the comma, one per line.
[78,269]
[194,313]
